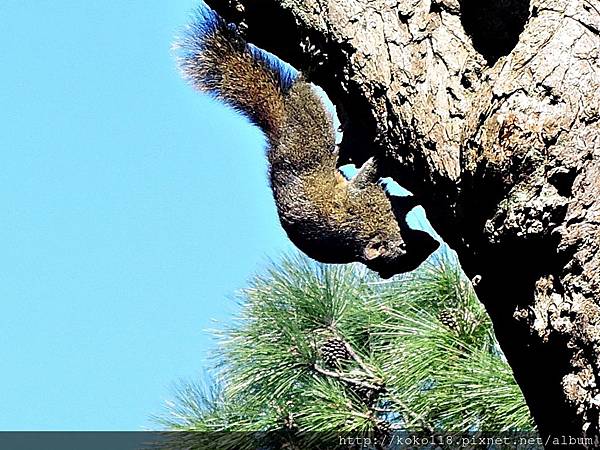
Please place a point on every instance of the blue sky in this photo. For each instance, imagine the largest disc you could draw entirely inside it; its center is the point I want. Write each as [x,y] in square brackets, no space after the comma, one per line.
[132,209]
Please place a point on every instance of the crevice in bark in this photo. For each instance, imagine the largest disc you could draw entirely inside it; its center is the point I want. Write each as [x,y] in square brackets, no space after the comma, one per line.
[482,192]
[494,26]
[562,179]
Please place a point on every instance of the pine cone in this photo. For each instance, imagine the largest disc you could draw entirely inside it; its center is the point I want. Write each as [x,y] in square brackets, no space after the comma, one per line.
[382,431]
[448,318]
[333,351]
[367,394]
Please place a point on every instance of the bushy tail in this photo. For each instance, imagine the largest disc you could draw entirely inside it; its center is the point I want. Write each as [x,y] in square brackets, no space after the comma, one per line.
[216,60]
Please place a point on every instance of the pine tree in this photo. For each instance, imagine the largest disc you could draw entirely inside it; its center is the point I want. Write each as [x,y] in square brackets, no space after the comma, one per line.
[321,349]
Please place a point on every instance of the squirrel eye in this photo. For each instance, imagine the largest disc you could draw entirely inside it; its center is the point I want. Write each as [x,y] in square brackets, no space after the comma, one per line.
[374,249]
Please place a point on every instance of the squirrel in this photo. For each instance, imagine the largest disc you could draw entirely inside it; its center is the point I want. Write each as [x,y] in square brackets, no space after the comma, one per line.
[330,218]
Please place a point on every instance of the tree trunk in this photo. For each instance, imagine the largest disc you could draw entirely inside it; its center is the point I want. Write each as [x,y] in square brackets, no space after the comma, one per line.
[489,113]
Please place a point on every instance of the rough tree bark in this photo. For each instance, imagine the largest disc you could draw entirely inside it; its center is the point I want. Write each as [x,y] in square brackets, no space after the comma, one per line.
[489,112]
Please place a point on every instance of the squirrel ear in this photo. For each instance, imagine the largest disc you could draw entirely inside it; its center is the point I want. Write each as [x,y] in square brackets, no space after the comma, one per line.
[367,175]
[373,250]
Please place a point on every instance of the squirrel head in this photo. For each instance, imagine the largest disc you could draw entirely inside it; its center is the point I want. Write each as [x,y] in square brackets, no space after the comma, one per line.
[400,255]
[398,248]
[382,254]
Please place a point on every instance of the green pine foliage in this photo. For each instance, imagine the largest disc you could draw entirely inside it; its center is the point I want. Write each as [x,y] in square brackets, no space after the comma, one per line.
[322,348]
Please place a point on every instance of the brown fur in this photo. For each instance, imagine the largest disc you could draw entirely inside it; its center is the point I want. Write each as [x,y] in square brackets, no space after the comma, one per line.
[328,217]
